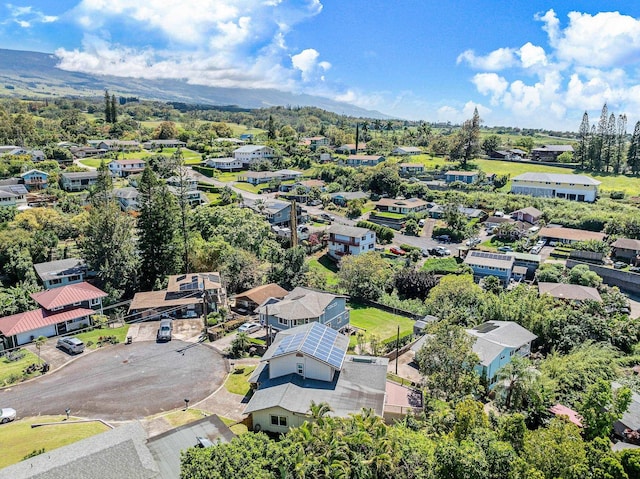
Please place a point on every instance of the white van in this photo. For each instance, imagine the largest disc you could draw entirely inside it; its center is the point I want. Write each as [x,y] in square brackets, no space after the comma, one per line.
[421,223]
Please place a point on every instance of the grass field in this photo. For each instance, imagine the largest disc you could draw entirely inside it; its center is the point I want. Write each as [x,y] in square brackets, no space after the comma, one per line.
[237,382]
[12,368]
[440,265]
[182,417]
[18,439]
[326,266]
[251,188]
[94,335]
[378,322]
[93,162]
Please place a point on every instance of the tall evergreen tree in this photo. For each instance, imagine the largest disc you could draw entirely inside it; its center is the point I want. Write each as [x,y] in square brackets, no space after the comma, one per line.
[621,133]
[583,137]
[107,107]
[158,241]
[114,110]
[272,134]
[466,144]
[594,149]
[610,140]
[601,139]
[633,155]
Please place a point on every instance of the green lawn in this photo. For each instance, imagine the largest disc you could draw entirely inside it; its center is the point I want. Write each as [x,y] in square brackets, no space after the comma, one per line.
[326,266]
[93,336]
[251,188]
[378,322]
[182,417]
[14,368]
[237,382]
[440,265]
[93,162]
[387,214]
[18,438]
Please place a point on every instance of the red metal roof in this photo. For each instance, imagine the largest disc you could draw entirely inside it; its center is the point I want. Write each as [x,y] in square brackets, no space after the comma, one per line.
[39,318]
[67,295]
[560,410]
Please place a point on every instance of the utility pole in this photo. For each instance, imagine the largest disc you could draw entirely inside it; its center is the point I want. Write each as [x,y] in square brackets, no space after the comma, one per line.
[357,135]
[397,348]
[293,221]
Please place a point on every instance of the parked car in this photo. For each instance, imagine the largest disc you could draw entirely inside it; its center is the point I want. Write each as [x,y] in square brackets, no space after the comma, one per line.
[190,314]
[421,223]
[71,345]
[505,249]
[472,242]
[440,251]
[619,264]
[315,203]
[7,414]
[536,249]
[398,251]
[249,328]
[164,331]
[635,269]
[444,238]
[328,217]
[424,252]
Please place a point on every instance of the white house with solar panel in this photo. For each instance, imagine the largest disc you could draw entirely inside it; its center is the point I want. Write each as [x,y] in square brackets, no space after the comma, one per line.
[554,185]
[303,306]
[310,363]
[490,264]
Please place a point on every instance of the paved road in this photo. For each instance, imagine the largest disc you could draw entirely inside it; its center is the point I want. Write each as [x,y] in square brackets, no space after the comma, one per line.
[123,382]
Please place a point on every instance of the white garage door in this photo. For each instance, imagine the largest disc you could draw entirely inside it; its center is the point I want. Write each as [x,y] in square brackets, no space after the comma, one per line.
[47,331]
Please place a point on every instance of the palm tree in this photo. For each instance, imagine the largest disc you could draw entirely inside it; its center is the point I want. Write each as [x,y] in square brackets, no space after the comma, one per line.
[319,411]
[260,205]
[39,342]
[515,382]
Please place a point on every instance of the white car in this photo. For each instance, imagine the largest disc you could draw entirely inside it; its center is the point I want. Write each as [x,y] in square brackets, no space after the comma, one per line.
[249,328]
[7,414]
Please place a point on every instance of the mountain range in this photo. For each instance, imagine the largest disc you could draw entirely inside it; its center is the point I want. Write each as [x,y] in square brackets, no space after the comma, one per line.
[25,74]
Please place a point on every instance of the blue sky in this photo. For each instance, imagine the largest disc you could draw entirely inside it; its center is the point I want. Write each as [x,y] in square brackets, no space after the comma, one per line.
[527,64]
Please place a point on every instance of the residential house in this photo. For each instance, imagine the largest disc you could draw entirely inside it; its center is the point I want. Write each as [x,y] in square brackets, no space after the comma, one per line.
[302,306]
[437,211]
[303,187]
[513,154]
[529,215]
[251,154]
[251,299]
[13,195]
[554,185]
[127,197]
[559,410]
[87,151]
[187,187]
[259,177]
[570,292]
[411,169]
[277,213]
[171,143]
[363,160]
[530,263]
[12,150]
[62,310]
[79,181]
[627,427]
[224,164]
[342,197]
[497,342]
[351,149]
[495,221]
[550,152]
[115,145]
[490,264]
[406,151]
[349,240]
[186,295]
[402,206]
[627,249]
[309,364]
[315,141]
[123,452]
[124,168]
[246,137]
[55,274]
[467,177]
[234,141]
[568,235]
[35,180]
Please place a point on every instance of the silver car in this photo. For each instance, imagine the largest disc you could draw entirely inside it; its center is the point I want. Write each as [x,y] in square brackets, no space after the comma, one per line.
[7,414]
[71,345]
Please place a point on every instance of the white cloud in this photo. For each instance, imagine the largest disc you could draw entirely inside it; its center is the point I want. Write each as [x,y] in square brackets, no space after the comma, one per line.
[532,55]
[26,16]
[227,43]
[496,60]
[455,115]
[491,84]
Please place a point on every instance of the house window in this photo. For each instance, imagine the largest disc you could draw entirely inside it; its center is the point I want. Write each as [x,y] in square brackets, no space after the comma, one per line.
[284,322]
[300,369]
[76,304]
[57,308]
[279,421]
[55,281]
[95,302]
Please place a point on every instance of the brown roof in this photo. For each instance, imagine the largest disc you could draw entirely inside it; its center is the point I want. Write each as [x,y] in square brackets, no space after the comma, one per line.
[408,203]
[130,162]
[365,157]
[571,234]
[261,293]
[66,295]
[573,292]
[157,299]
[39,318]
[529,210]
[461,173]
[312,183]
[626,243]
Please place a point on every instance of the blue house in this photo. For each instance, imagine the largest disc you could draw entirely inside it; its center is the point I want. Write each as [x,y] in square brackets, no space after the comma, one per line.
[277,213]
[490,264]
[35,179]
[464,176]
[304,306]
[496,343]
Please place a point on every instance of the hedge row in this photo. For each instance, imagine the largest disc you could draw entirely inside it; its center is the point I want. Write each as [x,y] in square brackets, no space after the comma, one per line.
[383,233]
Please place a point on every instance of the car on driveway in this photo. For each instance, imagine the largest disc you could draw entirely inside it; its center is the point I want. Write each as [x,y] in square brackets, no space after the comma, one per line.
[249,328]
[164,331]
[7,414]
[70,345]
[440,251]
[398,251]
[505,249]
[327,217]
[619,265]
[424,253]
[472,242]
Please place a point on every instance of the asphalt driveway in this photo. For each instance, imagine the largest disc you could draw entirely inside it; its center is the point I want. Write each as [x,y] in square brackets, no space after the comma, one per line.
[123,382]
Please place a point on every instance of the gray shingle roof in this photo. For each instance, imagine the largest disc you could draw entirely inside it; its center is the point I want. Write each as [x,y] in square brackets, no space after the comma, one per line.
[558,178]
[351,231]
[301,303]
[574,292]
[505,333]
[62,267]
